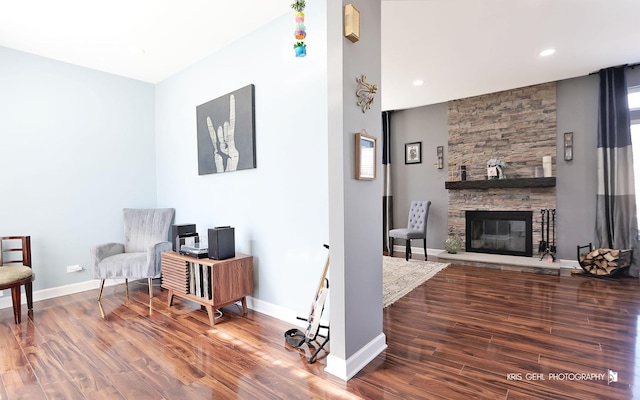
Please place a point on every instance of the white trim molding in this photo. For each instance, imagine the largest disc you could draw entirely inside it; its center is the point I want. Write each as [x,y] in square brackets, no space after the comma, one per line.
[346,369]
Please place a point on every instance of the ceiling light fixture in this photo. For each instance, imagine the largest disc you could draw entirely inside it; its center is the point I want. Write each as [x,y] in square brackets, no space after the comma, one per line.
[418,82]
[547,52]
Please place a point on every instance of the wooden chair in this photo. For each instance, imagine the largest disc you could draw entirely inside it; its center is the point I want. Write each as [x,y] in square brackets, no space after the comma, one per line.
[16,250]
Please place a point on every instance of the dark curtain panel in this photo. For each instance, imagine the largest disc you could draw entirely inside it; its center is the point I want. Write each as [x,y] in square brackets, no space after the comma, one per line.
[387,197]
[616,217]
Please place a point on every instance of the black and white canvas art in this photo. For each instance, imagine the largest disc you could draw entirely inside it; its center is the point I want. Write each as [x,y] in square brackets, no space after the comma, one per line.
[226,133]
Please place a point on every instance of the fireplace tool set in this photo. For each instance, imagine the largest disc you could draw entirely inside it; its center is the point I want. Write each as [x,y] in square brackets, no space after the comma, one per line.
[547,245]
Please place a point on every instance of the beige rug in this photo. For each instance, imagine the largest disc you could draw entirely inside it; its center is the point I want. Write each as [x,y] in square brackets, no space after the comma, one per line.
[399,277]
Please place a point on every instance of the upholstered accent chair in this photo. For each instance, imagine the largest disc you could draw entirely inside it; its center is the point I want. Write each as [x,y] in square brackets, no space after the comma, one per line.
[146,235]
[15,271]
[416,227]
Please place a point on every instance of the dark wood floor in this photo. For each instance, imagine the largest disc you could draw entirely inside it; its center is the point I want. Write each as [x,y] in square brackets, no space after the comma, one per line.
[458,336]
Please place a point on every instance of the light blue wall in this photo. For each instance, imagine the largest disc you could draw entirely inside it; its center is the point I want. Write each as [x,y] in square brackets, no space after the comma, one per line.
[76,146]
[280,209]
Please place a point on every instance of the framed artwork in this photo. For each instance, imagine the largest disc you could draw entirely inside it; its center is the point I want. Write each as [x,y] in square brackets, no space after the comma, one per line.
[366,158]
[226,132]
[413,153]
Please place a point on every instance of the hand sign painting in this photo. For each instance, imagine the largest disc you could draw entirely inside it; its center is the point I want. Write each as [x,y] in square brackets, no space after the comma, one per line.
[226,133]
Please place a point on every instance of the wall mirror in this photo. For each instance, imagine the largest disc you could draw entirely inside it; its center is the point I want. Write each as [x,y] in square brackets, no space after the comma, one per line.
[365,156]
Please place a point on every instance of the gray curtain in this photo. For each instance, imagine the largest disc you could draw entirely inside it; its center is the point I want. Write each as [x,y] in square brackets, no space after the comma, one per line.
[387,196]
[616,217]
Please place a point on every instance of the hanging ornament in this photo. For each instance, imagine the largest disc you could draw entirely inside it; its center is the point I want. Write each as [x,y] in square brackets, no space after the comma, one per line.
[301,31]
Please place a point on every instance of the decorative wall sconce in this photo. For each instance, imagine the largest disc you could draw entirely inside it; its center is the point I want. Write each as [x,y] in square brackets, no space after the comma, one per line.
[440,154]
[351,23]
[365,93]
[568,146]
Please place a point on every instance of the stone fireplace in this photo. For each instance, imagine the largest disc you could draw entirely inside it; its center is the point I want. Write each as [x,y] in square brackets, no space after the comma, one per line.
[516,126]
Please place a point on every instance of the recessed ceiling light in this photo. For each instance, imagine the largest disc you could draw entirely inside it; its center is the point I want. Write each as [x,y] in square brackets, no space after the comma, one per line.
[547,52]
[418,82]
[137,50]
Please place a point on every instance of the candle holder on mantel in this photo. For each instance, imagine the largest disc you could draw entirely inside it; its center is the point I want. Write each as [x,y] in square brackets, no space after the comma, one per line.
[458,173]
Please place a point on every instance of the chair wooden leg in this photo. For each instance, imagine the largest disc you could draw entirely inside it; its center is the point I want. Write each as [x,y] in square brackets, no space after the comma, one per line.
[101,288]
[408,249]
[15,297]
[391,247]
[150,288]
[126,289]
[28,291]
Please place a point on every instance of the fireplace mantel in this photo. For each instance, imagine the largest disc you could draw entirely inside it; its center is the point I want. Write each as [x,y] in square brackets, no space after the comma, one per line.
[502,183]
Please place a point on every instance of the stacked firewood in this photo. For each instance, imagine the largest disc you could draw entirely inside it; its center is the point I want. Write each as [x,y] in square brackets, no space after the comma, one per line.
[600,261]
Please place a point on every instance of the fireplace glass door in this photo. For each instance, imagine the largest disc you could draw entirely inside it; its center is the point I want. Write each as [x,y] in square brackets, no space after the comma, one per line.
[499,232]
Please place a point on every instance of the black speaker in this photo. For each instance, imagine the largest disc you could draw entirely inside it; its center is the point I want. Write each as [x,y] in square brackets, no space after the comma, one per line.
[222,244]
[181,230]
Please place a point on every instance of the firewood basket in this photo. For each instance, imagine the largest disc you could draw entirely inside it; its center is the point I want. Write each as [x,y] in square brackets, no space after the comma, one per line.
[603,263]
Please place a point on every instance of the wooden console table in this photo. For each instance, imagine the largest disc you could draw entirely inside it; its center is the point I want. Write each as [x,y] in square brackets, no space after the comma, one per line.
[218,282]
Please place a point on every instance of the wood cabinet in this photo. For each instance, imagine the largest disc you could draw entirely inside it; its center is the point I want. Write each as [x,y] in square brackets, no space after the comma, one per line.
[219,283]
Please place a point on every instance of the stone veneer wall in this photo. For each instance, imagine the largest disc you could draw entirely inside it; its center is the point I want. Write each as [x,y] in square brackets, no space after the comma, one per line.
[517,126]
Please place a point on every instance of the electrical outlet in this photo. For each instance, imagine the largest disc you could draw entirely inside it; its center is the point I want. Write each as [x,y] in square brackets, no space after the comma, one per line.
[74,268]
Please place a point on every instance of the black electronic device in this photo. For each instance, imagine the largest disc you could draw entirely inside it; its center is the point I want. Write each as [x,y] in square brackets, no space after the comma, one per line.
[222,243]
[179,231]
[197,250]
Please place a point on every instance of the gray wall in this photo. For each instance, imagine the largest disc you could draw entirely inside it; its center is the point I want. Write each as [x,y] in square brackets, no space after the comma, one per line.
[355,213]
[577,112]
[576,181]
[76,146]
[422,181]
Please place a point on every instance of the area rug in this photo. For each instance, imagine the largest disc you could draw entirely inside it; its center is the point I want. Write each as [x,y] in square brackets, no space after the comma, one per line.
[399,277]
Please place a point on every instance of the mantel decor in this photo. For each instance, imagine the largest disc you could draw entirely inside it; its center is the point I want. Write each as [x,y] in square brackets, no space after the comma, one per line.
[502,183]
[366,159]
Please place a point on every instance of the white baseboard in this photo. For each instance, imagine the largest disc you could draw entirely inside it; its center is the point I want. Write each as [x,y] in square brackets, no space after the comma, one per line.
[44,294]
[570,264]
[346,369]
[278,312]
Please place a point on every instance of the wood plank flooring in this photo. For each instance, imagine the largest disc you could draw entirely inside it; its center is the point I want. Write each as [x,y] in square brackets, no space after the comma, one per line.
[466,333]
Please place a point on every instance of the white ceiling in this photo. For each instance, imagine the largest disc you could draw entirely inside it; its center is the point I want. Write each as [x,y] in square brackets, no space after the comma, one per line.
[459,48]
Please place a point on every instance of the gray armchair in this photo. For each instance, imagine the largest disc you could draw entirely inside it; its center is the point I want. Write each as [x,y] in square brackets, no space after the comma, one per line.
[146,234]
[416,227]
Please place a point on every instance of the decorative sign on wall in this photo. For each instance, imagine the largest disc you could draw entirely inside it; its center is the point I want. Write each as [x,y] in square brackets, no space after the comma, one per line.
[226,133]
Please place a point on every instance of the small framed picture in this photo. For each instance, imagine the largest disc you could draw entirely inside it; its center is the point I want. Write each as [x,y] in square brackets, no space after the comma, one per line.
[413,153]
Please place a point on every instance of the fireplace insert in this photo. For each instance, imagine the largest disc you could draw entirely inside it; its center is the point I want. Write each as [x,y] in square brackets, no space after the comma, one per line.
[499,232]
